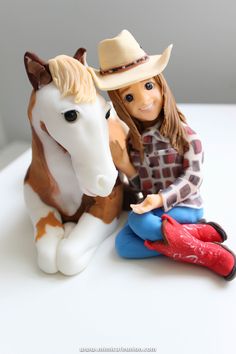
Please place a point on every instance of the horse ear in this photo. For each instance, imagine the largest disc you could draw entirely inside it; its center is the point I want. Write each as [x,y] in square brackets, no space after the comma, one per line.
[37,70]
[81,56]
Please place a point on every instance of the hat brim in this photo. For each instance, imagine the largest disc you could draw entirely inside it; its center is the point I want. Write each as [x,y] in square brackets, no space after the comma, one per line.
[154,66]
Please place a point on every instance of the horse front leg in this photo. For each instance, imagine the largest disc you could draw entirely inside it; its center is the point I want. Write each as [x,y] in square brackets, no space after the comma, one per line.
[48,230]
[94,226]
[75,251]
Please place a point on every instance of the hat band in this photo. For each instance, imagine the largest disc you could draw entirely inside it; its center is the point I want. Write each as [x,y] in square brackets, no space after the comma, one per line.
[125,67]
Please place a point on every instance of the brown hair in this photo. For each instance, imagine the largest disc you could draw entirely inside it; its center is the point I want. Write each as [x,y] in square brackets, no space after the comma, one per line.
[171,127]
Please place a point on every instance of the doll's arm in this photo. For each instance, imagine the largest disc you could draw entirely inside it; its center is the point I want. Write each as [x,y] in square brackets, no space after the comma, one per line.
[121,159]
[190,180]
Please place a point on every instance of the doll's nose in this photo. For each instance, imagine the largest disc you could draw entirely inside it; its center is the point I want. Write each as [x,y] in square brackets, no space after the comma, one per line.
[143,97]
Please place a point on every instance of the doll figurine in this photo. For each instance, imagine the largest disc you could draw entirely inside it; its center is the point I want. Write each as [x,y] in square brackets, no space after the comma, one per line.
[163,159]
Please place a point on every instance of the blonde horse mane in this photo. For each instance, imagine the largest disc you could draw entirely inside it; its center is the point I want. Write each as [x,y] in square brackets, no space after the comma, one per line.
[72,78]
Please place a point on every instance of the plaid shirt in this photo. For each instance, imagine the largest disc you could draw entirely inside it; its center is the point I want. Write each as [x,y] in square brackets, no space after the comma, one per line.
[176,177]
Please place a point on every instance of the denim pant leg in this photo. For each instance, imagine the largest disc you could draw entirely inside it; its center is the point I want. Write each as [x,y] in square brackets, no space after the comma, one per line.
[148,225]
[129,245]
[183,215]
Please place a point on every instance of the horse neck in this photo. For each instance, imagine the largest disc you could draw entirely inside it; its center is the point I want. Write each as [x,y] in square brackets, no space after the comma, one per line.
[51,173]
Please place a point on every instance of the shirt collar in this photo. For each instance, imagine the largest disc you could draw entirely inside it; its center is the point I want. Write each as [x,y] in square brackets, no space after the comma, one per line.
[153,133]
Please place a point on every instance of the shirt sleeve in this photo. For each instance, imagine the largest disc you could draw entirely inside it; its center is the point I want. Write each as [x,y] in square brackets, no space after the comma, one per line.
[190,180]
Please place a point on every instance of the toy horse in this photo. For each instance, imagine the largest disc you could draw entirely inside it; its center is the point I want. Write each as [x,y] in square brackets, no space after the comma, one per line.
[71,188]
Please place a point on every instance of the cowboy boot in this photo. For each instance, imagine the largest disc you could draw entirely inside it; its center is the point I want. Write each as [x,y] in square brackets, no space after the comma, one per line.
[181,246]
[206,231]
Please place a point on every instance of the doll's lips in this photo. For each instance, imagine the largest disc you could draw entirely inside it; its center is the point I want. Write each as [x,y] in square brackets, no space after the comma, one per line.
[146,108]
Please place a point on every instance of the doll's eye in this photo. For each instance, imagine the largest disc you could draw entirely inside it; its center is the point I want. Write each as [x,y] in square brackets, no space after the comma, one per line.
[149,85]
[129,98]
[71,116]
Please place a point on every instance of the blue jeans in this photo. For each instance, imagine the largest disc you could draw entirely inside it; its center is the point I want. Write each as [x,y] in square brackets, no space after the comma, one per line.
[130,240]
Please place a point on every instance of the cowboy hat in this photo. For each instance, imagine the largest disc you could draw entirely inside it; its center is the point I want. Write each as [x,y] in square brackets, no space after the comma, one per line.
[123,62]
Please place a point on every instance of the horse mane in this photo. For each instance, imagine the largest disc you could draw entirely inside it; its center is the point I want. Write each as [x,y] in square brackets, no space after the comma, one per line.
[72,79]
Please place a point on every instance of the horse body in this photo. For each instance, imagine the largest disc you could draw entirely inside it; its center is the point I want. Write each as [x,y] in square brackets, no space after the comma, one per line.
[69,187]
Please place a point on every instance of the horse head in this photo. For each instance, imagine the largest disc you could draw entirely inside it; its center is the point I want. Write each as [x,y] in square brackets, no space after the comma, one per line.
[68,109]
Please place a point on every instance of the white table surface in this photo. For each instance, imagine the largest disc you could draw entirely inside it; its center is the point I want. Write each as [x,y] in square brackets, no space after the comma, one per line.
[173,307]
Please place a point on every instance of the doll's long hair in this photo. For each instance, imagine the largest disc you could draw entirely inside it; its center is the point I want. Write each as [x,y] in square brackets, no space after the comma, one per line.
[171,127]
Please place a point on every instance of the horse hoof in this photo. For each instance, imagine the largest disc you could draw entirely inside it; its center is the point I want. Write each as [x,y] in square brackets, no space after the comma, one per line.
[71,261]
[47,251]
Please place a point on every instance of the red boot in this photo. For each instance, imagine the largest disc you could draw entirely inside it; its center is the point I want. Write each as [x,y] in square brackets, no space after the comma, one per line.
[206,231]
[181,246]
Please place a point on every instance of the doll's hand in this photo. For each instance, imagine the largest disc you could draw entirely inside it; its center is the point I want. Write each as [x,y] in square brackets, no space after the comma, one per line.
[152,201]
[121,159]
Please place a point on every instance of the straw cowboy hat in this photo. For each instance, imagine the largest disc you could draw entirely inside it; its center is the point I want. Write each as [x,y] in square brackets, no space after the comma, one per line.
[123,62]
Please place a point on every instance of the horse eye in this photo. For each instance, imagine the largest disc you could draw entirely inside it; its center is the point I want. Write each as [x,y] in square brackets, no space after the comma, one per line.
[71,116]
[108,114]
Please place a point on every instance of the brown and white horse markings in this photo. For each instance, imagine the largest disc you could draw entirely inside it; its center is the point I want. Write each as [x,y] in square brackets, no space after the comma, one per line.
[54,188]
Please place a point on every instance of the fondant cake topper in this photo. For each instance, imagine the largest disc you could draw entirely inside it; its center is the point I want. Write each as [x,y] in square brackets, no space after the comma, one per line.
[71,188]
[163,159]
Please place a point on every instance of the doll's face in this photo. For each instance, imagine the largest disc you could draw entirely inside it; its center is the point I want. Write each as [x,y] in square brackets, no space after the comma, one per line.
[143,100]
